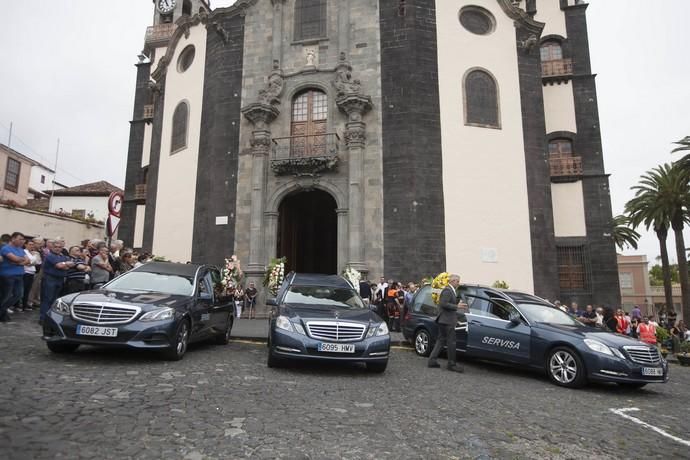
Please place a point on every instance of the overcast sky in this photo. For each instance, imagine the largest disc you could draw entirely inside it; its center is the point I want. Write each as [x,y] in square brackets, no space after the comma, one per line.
[68,72]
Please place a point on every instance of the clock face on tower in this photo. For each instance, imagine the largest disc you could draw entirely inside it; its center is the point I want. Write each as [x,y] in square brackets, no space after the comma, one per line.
[166,6]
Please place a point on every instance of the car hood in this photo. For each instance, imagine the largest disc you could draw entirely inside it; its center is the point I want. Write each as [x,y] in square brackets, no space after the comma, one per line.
[584,332]
[314,312]
[138,298]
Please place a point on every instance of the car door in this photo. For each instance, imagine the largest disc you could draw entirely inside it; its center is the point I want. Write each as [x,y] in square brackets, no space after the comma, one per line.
[203,304]
[503,333]
[222,307]
[477,305]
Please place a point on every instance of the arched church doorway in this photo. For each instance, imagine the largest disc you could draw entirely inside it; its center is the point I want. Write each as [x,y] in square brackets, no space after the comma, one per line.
[308,232]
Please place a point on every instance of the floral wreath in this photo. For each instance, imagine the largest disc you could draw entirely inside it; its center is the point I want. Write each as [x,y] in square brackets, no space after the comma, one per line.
[275,273]
[231,274]
[438,284]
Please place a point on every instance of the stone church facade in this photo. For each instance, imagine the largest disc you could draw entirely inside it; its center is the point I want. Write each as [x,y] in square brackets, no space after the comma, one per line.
[400,137]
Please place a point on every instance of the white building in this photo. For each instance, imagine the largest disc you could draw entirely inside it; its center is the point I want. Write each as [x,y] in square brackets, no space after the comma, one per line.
[84,201]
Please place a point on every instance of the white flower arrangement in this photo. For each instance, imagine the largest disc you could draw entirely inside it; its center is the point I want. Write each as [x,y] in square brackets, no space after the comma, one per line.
[275,275]
[231,273]
[352,276]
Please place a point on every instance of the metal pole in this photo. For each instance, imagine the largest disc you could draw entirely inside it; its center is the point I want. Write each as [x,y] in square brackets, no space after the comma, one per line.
[52,189]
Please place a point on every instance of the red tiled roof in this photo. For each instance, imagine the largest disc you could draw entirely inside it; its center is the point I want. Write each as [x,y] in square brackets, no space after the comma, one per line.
[100,188]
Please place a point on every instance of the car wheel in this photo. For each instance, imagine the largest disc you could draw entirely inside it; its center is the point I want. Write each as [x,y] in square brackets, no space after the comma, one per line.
[224,338]
[422,342]
[179,346]
[565,368]
[377,368]
[631,385]
[62,347]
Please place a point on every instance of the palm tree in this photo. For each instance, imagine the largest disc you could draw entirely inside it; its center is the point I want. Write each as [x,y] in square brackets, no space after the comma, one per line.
[661,201]
[623,235]
[684,145]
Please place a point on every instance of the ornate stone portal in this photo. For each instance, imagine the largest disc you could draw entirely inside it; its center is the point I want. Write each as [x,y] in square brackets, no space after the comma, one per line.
[261,114]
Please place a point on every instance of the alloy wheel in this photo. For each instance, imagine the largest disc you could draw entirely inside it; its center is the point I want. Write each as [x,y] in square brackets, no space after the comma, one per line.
[182,338]
[421,343]
[563,367]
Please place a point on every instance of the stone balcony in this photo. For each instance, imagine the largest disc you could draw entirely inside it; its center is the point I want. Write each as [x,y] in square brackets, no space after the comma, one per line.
[557,69]
[305,155]
[160,34]
[565,168]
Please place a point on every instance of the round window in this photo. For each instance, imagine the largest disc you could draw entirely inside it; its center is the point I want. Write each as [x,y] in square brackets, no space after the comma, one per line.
[477,20]
[186,58]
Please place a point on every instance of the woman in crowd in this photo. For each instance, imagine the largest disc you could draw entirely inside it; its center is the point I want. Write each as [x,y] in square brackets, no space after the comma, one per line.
[239,300]
[29,272]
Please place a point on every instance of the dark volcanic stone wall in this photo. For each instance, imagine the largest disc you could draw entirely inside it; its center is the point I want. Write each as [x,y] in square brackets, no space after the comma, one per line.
[154,165]
[133,172]
[216,185]
[595,183]
[414,233]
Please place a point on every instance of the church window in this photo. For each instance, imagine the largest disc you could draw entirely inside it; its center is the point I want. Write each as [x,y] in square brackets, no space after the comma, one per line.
[309,123]
[186,58]
[179,127]
[551,51]
[481,100]
[186,8]
[14,167]
[561,147]
[477,20]
[310,19]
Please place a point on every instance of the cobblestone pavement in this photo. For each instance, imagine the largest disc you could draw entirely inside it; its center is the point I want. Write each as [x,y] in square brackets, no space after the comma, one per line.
[223,402]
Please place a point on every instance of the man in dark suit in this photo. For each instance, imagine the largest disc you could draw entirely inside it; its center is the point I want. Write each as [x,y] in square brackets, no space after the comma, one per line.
[447,319]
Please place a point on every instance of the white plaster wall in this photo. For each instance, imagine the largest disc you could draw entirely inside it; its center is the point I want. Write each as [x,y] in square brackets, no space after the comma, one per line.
[177,173]
[484,178]
[568,209]
[96,204]
[35,180]
[139,226]
[550,13]
[36,223]
[146,152]
[559,108]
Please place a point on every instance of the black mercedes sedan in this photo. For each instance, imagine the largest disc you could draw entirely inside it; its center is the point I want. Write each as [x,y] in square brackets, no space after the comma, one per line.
[323,318]
[524,330]
[159,305]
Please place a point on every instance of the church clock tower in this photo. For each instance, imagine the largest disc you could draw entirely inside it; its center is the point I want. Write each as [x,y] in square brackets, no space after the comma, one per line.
[168,11]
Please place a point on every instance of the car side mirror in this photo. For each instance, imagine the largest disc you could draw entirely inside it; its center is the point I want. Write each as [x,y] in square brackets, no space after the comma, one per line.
[205,296]
[515,319]
[272,302]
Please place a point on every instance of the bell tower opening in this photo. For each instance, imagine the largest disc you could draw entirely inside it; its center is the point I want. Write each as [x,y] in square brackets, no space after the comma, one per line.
[308,232]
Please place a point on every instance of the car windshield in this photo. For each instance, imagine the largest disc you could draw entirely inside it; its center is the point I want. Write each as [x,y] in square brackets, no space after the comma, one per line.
[320,296]
[537,313]
[153,282]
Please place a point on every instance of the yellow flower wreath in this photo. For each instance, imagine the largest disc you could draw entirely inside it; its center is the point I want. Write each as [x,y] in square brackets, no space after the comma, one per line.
[437,285]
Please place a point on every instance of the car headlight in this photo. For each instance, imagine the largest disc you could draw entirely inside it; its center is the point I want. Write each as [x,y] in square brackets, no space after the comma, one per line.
[284,323]
[599,347]
[377,329]
[61,307]
[159,314]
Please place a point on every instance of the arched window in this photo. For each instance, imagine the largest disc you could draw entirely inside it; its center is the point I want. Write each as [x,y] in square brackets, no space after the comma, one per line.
[551,51]
[309,123]
[561,147]
[186,8]
[179,127]
[310,19]
[481,100]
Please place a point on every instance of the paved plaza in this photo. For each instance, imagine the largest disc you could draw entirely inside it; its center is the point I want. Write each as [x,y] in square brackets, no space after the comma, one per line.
[222,402]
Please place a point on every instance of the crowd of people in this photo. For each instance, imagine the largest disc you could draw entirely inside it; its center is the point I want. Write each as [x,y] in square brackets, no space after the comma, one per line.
[633,324]
[35,271]
[390,299]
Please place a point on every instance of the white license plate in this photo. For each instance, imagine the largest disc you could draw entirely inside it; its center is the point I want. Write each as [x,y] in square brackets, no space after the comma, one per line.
[97,331]
[337,347]
[652,371]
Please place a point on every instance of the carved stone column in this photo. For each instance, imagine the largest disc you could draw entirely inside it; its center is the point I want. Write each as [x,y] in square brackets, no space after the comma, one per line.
[271,235]
[355,106]
[260,115]
[342,237]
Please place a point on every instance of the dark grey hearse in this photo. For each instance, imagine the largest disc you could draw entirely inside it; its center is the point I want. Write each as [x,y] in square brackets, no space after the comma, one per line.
[521,329]
[160,306]
[322,317]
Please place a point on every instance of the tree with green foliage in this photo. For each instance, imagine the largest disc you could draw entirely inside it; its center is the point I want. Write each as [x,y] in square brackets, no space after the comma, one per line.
[623,235]
[683,146]
[656,275]
[661,201]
